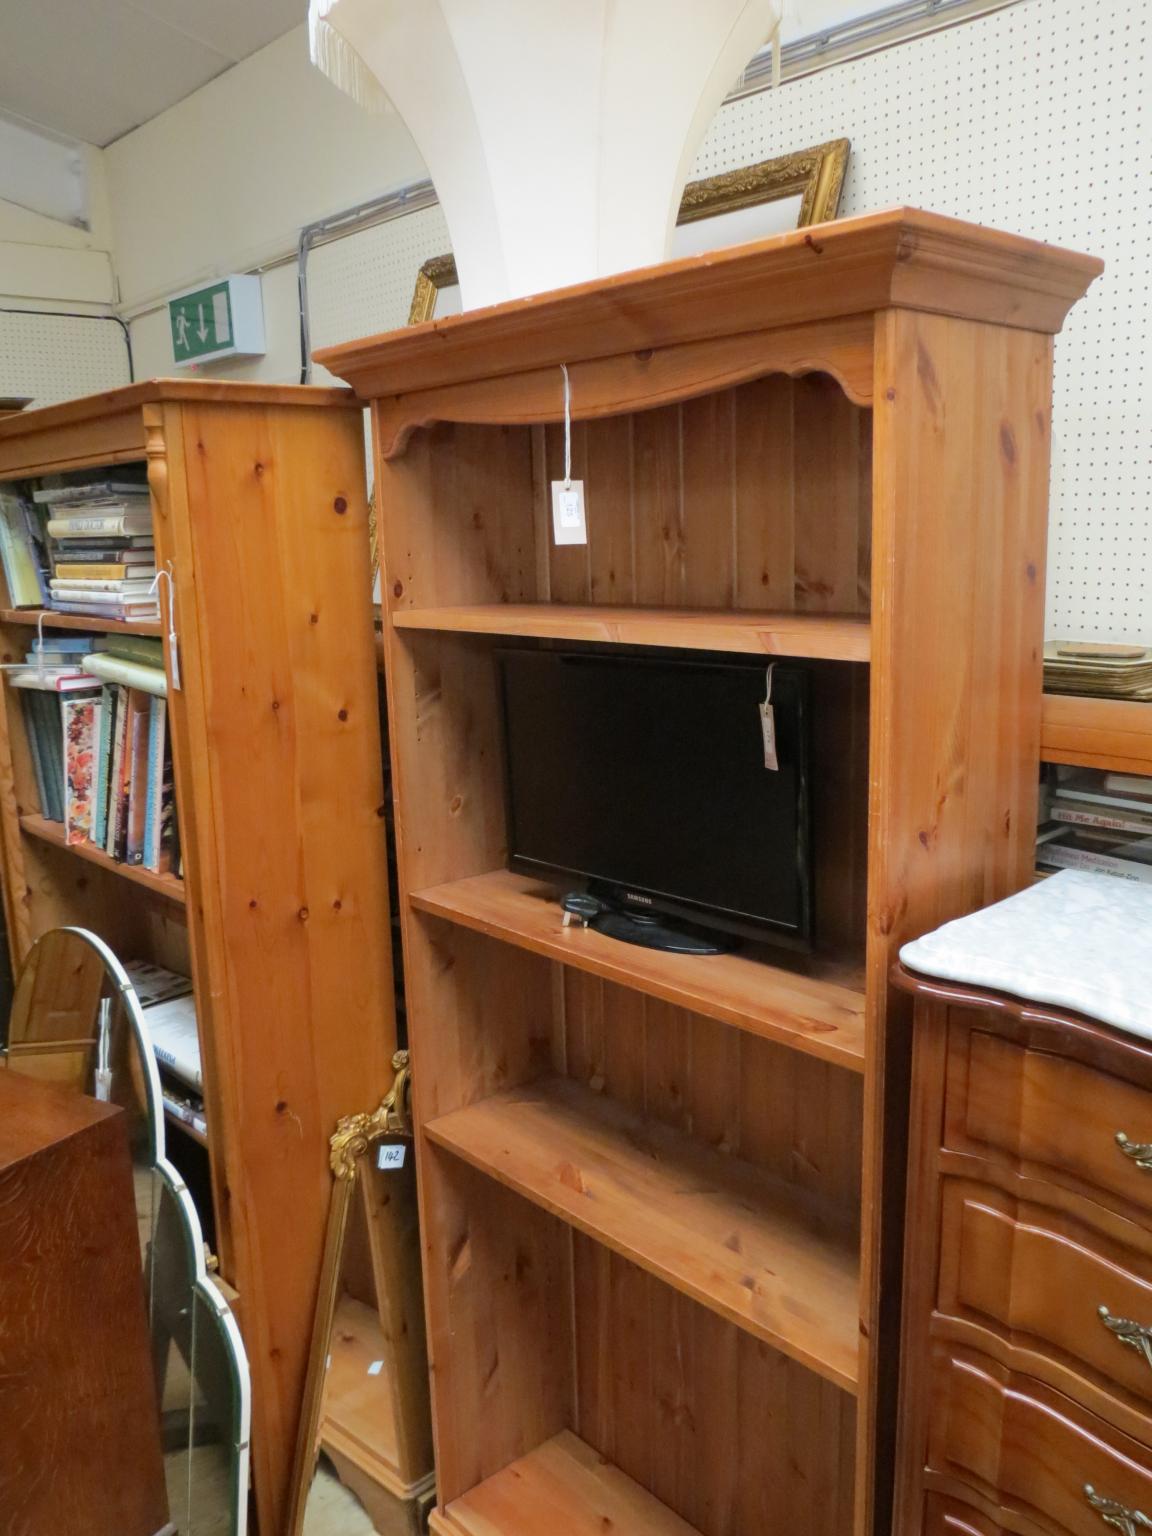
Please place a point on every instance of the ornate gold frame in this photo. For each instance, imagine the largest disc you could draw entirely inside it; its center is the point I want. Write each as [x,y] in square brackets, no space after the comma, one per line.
[349,1142]
[817,173]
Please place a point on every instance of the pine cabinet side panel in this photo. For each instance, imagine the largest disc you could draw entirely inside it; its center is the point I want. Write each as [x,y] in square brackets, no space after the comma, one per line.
[960,492]
[280,765]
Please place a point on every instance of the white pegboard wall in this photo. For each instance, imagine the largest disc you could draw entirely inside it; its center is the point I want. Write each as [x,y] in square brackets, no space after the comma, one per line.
[59,357]
[364,283]
[1033,119]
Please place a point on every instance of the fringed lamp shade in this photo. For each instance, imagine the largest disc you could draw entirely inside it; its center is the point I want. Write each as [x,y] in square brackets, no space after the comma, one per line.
[558,133]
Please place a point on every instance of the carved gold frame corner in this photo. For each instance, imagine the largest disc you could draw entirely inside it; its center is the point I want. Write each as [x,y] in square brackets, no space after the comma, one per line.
[438,272]
[817,173]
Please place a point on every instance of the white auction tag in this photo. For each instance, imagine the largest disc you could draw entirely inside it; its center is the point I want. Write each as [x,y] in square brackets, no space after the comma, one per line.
[568,523]
[392,1156]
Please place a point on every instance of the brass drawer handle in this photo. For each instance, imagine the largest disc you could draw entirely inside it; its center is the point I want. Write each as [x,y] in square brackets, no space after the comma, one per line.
[1139,1151]
[1136,1335]
[1130,1521]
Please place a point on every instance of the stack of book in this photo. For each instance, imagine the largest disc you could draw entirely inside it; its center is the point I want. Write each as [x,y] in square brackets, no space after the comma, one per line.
[1101,822]
[101,550]
[169,1007]
[96,713]
[1100,670]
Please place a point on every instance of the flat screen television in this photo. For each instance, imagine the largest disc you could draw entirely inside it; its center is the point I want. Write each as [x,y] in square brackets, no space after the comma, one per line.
[646,779]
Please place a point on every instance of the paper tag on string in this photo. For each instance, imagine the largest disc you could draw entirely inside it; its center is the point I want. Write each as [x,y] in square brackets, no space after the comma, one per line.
[391,1155]
[768,727]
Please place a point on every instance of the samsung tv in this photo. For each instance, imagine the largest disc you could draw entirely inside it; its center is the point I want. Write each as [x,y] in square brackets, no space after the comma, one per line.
[645,780]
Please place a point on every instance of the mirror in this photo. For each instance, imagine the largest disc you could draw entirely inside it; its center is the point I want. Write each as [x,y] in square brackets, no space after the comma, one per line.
[76,1021]
[787,192]
[364,1454]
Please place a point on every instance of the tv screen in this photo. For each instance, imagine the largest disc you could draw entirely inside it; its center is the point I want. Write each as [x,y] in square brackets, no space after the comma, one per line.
[647,777]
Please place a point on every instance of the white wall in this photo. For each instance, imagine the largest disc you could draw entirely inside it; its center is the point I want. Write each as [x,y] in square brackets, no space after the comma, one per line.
[224,181]
[45,263]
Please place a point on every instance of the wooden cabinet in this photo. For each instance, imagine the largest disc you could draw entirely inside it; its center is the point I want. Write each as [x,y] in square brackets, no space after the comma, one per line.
[1027,1359]
[661,1194]
[80,1449]
[260,510]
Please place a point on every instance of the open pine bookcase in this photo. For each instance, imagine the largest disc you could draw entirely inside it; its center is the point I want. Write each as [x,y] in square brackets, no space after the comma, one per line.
[660,1193]
[282,917]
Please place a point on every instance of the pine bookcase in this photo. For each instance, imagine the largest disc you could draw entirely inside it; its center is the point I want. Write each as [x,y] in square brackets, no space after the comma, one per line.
[282,915]
[661,1194]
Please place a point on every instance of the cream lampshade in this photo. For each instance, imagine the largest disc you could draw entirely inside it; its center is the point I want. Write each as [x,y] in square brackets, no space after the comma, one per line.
[558,133]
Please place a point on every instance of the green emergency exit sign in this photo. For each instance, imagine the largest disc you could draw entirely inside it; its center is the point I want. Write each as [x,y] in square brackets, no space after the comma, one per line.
[226,319]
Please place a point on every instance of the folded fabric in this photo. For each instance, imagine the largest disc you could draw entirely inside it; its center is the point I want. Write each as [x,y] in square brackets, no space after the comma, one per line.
[1077,940]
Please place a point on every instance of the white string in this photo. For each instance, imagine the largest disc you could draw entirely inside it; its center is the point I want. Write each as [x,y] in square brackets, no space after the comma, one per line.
[40,645]
[173,639]
[567,428]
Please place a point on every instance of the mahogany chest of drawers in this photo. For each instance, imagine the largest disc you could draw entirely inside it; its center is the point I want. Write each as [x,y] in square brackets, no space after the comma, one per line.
[1026,1375]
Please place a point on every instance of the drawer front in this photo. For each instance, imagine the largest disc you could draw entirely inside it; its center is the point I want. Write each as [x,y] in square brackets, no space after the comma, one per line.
[1032,1452]
[1051,1116]
[948,1517]
[1040,1276]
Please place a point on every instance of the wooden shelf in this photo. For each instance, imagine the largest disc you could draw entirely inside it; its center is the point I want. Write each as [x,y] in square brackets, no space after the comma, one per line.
[829,637]
[191,1131]
[82,621]
[563,1486]
[712,1227]
[45,831]
[1114,734]
[816,1007]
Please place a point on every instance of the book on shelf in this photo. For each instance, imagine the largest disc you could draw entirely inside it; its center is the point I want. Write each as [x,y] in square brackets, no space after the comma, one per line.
[93,492]
[117,809]
[127,611]
[136,747]
[175,1040]
[1083,813]
[112,572]
[19,555]
[1124,855]
[110,698]
[148,650]
[1089,789]
[81,727]
[187,1108]
[100,590]
[114,668]
[155,983]
[46,679]
[115,521]
[157,854]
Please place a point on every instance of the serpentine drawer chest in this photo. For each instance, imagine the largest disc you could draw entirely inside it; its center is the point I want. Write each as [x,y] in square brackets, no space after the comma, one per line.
[1026,1402]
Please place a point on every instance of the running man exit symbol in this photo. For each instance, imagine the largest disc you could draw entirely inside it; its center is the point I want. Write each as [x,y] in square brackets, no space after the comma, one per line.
[223,320]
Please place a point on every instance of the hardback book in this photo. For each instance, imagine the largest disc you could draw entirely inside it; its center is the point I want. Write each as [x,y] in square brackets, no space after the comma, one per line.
[110,694]
[81,727]
[146,649]
[134,549]
[94,491]
[33,728]
[1085,814]
[117,784]
[118,523]
[65,679]
[117,669]
[126,612]
[157,857]
[104,593]
[19,556]
[103,570]
[172,1027]
[79,644]
[139,714]
[153,984]
[1109,853]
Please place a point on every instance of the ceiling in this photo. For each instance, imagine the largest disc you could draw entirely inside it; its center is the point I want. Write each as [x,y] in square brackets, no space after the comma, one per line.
[94,69]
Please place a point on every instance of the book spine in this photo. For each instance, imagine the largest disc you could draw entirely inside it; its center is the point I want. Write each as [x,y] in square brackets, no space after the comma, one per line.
[116,776]
[79,748]
[53,738]
[1102,819]
[157,734]
[104,763]
[103,571]
[1102,863]
[99,589]
[32,731]
[138,780]
[116,524]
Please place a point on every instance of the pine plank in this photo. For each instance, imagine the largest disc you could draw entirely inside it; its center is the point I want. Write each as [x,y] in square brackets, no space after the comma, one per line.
[562,1486]
[168,886]
[82,621]
[1113,734]
[831,637]
[711,1226]
[815,1007]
